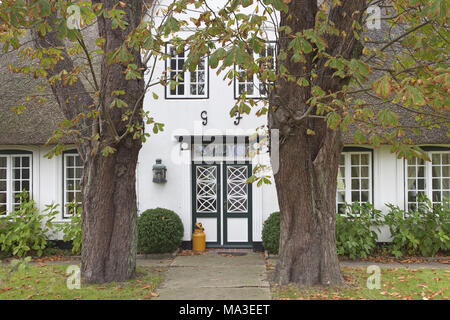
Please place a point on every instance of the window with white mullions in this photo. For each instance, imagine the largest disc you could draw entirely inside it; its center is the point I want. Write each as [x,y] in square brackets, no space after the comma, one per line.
[73,169]
[252,85]
[415,181]
[430,179]
[15,178]
[340,197]
[21,176]
[440,174]
[186,84]
[4,178]
[354,183]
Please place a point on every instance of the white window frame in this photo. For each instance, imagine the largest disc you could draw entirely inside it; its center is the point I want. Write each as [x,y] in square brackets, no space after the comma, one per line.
[348,177]
[66,214]
[427,177]
[10,198]
[186,80]
[255,82]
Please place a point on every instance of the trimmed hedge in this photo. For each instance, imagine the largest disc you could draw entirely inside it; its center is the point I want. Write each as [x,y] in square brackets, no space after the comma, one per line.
[159,231]
[271,233]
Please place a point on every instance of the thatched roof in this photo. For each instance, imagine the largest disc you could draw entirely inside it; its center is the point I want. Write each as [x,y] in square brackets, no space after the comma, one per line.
[37,123]
[34,125]
[378,38]
[407,121]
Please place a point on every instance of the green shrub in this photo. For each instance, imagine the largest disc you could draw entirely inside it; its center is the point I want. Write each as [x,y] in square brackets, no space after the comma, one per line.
[159,230]
[25,229]
[271,233]
[424,231]
[72,229]
[356,228]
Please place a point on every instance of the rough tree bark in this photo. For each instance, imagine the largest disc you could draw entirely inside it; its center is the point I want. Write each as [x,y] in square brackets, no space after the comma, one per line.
[308,164]
[109,211]
[109,216]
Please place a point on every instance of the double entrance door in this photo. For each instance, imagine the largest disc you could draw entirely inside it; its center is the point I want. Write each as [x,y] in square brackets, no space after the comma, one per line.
[222,202]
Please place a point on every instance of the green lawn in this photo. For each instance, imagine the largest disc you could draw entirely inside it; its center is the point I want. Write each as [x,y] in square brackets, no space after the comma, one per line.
[396,284]
[49,282]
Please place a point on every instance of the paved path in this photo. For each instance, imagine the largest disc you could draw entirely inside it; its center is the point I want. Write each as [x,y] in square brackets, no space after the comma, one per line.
[212,276]
[272,261]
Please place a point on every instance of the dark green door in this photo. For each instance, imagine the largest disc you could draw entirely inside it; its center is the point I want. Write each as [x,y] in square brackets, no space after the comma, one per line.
[222,202]
[237,205]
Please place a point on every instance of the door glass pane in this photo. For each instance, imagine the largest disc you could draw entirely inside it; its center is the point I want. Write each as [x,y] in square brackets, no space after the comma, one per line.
[237,189]
[206,189]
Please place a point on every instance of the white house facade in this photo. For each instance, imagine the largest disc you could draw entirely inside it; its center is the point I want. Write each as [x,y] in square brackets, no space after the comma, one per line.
[204,151]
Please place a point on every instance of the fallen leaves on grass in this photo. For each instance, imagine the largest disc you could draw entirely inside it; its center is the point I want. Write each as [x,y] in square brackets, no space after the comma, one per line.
[151,295]
[51,258]
[405,260]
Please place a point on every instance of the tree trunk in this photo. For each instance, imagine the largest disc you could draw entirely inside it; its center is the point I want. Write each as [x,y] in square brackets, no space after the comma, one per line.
[306,188]
[109,212]
[109,216]
[309,152]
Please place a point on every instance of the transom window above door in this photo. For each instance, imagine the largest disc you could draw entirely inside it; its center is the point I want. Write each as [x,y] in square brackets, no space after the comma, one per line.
[220,149]
[184,83]
[354,182]
[15,177]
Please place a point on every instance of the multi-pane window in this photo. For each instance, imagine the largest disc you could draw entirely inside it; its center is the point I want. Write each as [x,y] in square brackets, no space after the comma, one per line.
[354,183]
[15,177]
[185,83]
[73,169]
[430,179]
[251,85]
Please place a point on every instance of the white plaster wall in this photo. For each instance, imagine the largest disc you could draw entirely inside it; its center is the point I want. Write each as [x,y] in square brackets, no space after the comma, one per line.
[182,117]
[176,193]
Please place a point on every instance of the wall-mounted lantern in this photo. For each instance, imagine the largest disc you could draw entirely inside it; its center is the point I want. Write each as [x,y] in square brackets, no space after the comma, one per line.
[159,172]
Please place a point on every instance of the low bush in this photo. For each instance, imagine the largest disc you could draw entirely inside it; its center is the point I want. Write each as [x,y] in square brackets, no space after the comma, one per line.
[271,233]
[72,229]
[159,231]
[25,230]
[356,230]
[424,231]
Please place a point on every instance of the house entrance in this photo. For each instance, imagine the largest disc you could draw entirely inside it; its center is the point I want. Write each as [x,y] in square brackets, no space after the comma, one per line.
[221,198]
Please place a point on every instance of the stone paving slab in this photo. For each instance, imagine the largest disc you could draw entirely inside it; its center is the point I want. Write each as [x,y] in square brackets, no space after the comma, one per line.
[214,259]
[214,294]
[212,276]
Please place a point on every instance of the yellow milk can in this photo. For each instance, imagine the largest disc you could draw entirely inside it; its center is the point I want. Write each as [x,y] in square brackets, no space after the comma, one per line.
[198,238]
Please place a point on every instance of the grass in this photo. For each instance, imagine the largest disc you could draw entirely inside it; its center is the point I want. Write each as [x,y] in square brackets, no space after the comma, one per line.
[49,282]
[396,284]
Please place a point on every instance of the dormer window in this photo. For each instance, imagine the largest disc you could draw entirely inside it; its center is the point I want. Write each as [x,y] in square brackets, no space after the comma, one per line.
[252,85]
[184,83]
